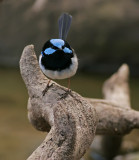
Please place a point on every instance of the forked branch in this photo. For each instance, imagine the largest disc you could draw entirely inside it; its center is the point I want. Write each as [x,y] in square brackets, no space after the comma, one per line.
[70,121]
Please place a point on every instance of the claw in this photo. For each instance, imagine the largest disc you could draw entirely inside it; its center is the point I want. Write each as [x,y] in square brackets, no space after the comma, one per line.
[47,87]
[64,95]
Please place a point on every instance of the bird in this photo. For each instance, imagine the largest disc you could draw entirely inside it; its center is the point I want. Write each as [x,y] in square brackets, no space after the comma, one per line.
[58,59]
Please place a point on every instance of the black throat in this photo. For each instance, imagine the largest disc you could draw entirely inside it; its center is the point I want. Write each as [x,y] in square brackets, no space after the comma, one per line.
[57,61]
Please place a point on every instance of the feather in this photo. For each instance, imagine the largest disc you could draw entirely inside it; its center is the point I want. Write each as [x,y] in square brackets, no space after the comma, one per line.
[64,25]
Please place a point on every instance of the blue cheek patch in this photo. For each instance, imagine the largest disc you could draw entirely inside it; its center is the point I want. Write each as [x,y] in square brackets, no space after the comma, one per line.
[42,53]
[57,42]
[49,51]
[67,50]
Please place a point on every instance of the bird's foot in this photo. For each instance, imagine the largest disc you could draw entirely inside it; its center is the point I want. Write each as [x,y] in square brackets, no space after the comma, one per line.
[64,95]
[46,88]
[68,92]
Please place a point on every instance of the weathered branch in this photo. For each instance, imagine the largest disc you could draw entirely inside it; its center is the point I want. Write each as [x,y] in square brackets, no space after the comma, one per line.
[70,121]
[113,119]
[115,89]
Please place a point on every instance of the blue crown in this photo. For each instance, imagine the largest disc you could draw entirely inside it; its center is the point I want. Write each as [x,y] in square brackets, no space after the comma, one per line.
[54,45]
[57,42]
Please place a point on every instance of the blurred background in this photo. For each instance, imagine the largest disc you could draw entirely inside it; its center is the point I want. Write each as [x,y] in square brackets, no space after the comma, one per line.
[104,34]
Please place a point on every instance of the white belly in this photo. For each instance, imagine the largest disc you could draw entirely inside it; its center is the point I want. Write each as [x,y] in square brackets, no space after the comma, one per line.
[63,74]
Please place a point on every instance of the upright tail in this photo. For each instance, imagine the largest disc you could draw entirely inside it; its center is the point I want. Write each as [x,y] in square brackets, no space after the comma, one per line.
[64,22]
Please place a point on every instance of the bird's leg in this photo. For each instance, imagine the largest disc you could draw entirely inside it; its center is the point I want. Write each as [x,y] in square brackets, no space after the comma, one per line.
[47,87]
[70,93]
[67,91]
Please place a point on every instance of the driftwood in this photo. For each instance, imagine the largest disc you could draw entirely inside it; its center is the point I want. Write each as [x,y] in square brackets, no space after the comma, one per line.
[116,90]
[71,121]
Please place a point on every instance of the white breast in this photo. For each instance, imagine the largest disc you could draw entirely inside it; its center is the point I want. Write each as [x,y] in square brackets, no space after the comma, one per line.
[63,74]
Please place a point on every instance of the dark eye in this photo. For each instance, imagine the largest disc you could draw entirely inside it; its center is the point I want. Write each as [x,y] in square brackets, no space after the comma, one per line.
[53,47]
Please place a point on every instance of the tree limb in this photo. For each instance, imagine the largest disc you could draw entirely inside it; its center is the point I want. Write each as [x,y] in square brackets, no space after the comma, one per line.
[113,119]
[70,121]
[115,89]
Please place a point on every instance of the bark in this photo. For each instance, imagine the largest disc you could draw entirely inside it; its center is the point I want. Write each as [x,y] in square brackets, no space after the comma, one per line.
[70,120]
[115,89]
[113,119]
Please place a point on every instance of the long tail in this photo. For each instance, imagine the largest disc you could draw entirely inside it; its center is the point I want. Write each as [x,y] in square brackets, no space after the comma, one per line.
[64,22]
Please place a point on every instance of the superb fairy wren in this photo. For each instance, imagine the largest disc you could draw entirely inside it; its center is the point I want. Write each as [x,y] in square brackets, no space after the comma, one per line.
[58,60]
